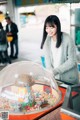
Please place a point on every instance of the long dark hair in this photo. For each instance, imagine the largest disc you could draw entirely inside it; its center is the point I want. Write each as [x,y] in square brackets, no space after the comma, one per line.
[52,20]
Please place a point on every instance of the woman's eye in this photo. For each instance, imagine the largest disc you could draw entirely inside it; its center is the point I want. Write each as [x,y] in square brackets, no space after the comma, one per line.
[47,28]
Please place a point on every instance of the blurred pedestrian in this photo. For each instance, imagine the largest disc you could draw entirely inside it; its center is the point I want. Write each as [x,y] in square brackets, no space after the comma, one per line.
[11,31]
[3,46]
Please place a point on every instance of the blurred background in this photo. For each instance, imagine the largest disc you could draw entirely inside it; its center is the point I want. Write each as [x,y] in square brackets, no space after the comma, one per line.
[30,17]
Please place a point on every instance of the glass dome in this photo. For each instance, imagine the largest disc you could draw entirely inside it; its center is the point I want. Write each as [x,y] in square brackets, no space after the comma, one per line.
[26,87]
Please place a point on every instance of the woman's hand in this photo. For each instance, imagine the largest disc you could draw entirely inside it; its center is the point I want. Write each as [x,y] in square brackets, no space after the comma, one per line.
[55,72]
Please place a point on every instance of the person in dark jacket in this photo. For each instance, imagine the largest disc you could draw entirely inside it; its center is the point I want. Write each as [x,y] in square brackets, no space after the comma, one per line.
[3,46]
[12,30]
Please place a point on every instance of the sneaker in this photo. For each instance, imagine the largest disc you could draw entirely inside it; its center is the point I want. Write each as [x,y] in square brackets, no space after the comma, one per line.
[2,64]
[15,57]
[11,56]
[8,61]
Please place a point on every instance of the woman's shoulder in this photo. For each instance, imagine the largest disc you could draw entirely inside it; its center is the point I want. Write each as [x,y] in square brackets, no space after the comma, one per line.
[65,34]
[66,37]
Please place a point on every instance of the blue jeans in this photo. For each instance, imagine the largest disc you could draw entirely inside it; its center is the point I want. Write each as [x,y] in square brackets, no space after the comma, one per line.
[14,48]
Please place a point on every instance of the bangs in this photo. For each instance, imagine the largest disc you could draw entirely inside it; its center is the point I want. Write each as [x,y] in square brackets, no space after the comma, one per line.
[50,24]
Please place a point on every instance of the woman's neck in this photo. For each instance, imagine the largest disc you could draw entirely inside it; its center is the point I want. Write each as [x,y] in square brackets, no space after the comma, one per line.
[54,37]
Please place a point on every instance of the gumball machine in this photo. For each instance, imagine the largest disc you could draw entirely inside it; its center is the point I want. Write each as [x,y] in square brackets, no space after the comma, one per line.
[27,90]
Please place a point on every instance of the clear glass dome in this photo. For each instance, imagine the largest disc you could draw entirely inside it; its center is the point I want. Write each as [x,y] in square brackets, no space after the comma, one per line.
[27,87]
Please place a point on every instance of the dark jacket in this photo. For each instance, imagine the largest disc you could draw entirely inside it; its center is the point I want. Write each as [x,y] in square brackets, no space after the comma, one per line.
[14,30]
[2,37]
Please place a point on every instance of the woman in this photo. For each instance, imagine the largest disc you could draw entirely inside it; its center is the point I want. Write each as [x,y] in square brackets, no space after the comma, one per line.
[60,54]
[3,46]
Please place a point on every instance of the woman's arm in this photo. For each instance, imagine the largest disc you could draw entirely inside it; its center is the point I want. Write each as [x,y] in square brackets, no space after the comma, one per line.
[70,60]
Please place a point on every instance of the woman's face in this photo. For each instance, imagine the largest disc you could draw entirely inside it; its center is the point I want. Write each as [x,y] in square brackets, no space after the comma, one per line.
[51,31]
